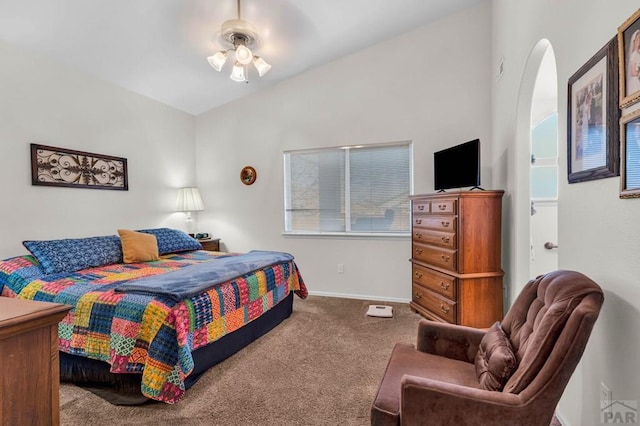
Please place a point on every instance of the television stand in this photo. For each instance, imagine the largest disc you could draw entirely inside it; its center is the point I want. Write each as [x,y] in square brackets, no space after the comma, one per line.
[477,187]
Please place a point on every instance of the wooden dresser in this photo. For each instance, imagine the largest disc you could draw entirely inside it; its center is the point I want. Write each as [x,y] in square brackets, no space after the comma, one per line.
[29,368]
[456,250]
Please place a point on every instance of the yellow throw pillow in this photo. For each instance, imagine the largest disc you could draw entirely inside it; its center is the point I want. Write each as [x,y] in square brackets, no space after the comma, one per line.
[138,246]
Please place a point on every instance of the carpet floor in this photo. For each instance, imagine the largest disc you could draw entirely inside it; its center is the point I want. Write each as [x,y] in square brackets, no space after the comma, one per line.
[321,366]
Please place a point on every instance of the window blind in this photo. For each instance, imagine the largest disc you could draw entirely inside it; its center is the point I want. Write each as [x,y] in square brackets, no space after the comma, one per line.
[349,189]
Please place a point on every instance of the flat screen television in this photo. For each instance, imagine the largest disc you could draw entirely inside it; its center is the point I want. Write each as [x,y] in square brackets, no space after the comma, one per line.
[458,166]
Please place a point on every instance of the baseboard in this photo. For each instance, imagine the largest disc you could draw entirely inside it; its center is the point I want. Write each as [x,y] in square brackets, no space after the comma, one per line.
[561,419]
[359,296]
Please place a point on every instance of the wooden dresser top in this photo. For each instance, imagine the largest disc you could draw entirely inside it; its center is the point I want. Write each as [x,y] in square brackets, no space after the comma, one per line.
[14,312]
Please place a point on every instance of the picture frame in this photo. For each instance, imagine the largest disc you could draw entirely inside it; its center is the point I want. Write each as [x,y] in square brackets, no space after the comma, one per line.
[630,155]
[54,166]
[629,60]
[593,114]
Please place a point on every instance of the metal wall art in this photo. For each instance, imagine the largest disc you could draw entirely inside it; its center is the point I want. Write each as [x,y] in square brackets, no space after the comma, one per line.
[52,166]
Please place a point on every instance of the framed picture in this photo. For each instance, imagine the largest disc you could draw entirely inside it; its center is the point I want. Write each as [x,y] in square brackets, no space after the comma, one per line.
[629,60]
[52,166]
[593,149]
[630,150]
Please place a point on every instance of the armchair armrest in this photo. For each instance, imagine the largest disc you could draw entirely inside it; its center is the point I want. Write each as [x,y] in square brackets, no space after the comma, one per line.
[451,404]
[448,340]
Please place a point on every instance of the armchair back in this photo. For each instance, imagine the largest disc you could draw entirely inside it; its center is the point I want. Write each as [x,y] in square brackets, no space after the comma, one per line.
[541,329]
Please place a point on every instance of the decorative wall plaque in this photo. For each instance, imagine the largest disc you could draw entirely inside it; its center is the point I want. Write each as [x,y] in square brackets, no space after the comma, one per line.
[52,166]
[248,175]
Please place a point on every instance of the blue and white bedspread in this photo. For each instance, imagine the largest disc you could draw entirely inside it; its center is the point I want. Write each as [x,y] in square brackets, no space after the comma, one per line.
[188,282]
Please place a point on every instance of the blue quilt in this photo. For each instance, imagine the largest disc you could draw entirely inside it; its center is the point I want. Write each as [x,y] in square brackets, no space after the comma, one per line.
[188,282]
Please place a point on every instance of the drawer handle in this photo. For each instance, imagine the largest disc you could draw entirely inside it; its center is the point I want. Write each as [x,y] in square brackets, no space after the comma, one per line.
[418,275]
[442,206]
[418,251]
[445,239]
[418,235]
[418,221]
[445,224]
[418,295]
[444,308]
[445,258]
[444,286]
[420,207]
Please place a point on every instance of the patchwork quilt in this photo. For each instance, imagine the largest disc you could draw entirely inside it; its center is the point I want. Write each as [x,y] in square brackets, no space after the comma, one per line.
[152,335]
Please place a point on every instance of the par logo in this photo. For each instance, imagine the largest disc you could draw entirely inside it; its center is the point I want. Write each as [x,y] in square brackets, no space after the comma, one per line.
[619,412]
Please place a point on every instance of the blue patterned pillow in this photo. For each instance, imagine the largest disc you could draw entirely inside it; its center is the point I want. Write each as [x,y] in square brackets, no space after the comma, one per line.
[70,255]
[173,240]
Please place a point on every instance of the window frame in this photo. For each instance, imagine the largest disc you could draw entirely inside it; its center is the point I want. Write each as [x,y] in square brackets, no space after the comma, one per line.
[348,233]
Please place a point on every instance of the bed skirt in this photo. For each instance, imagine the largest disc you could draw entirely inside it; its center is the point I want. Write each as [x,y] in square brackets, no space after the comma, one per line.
[124,389]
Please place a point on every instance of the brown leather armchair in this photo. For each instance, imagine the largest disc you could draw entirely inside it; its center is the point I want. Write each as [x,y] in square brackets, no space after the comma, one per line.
[526,362]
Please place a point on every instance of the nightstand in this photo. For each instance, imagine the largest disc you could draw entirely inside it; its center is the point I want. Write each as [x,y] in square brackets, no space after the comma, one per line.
[210,244]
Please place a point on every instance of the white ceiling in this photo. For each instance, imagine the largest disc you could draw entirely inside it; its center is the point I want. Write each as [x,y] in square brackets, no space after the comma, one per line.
[158,48]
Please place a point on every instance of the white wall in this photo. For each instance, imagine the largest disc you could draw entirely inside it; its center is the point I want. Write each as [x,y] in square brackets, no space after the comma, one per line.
[433,86]
[598,232]
[46,103]
[428,86]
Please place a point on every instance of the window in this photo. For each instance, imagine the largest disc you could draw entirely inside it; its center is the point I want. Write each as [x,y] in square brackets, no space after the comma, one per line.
[355,189]
[544,160]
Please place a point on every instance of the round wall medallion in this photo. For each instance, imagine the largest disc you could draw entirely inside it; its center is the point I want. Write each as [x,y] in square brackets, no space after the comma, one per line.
[248,175]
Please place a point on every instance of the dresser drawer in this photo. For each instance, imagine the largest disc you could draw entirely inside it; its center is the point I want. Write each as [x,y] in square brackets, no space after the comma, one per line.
[421,206]
[444,239]
[440,283]
[443,207]
[436,256]
[438,305]
[443,223]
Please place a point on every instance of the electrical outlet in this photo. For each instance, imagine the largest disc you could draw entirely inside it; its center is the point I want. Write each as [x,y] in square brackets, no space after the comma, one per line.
[341,268]
[605,398]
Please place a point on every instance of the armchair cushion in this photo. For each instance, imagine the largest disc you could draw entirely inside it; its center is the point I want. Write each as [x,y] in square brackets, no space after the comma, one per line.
[495,361]
[406,360]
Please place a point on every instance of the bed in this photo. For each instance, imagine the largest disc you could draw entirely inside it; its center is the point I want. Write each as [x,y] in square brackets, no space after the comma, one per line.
[134,322]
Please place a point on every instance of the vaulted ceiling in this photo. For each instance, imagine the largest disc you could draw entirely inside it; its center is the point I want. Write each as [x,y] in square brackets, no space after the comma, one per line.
[158,48]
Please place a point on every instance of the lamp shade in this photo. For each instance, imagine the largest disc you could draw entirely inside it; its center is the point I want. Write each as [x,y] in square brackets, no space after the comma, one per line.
[189,200]
[237,74]
[218,60]
[261,65]
[243,54]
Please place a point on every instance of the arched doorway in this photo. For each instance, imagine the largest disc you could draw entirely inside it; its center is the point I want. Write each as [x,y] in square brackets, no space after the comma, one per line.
[522,237]
[543,256]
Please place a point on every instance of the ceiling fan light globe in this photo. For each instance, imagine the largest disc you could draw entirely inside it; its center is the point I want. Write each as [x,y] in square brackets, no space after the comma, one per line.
[238,73]
[261,65]
[243,54]
[217,61]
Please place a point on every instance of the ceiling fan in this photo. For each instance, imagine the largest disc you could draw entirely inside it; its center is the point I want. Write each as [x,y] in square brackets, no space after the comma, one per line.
[241,35]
